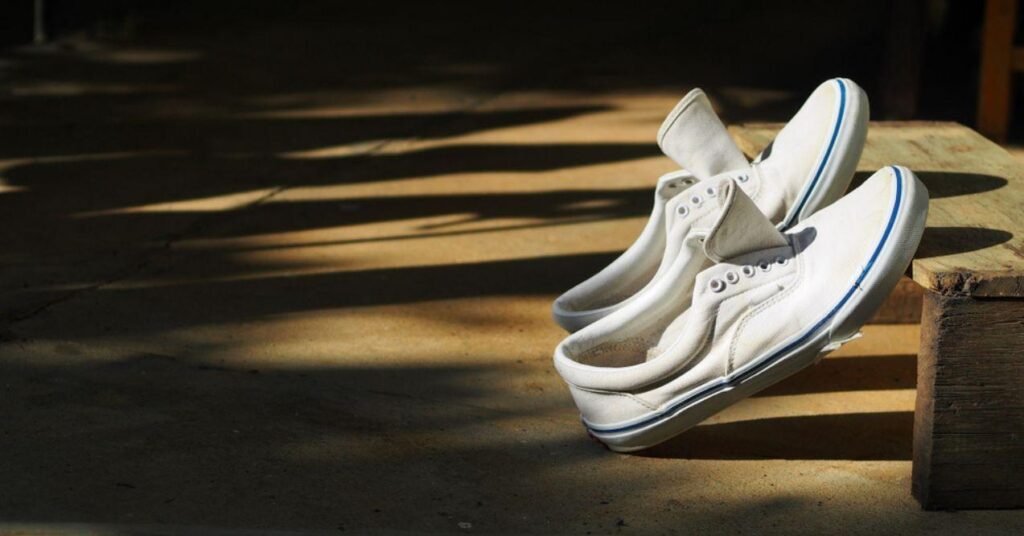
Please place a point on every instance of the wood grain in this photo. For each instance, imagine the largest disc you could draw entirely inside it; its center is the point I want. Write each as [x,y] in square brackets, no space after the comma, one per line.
[974,244]
[969,420]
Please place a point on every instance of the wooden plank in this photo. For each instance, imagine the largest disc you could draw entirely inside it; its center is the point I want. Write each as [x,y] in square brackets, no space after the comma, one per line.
[969,420]
[974,244]
[996,68]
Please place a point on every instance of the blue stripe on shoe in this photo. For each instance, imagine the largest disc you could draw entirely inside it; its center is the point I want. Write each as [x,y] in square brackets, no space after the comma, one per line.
[824,160]
[801,340]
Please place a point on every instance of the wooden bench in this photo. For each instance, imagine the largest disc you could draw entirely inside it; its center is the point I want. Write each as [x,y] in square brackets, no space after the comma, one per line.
[969,419]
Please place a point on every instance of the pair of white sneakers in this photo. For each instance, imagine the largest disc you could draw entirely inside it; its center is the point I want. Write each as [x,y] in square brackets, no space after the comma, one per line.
[745,272]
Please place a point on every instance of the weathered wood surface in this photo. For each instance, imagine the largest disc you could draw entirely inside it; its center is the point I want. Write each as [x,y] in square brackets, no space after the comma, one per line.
[969,420]
[974,243]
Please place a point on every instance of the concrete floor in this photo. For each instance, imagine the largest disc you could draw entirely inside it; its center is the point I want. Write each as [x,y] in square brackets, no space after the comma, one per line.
[248,288]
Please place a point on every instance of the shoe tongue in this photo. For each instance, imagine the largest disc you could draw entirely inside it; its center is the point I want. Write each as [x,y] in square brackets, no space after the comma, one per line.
[741,227]
[696,139]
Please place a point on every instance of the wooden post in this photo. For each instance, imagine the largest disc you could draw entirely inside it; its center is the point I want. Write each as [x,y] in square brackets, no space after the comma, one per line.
[996,68]
[969,420]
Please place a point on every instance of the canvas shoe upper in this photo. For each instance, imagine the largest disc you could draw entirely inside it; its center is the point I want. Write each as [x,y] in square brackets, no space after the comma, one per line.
[808,165]
[694,137]
[770,306]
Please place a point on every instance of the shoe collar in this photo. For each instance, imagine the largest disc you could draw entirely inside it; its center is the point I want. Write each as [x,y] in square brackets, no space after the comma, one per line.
[696,139]
[738,229]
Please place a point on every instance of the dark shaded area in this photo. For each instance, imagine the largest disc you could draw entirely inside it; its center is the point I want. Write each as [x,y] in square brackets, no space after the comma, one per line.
[851,374]
[190,443]
[674,40]
[266,297]
[797,43]
[946,184]
[215,175]
[852,436]
[199,445]
[939,241]
[241,135]
[555,206]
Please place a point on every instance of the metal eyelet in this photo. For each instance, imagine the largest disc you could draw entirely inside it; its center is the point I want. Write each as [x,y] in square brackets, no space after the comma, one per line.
[743,178]
[711,192]
[748,271]
[683,210]
[765,265]
[716,285]
[697,200]
[732,277]
[781,261]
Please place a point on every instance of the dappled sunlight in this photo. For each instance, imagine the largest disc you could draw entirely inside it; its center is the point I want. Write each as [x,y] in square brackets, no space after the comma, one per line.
[825,403]
[7,188]
[206,204]
[339,102]
[882,340]
[92,50]
[336,151]
[59,88]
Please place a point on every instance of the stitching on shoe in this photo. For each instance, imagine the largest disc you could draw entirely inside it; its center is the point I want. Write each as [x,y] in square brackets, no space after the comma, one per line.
[630,396]
[630,345]
[688,100]
[753,311]
[754,171]
[799,272]
[730,203]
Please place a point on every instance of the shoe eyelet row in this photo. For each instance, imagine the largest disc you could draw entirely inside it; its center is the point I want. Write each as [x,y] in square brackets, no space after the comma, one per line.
[732,278]
[765,265]
[717,285]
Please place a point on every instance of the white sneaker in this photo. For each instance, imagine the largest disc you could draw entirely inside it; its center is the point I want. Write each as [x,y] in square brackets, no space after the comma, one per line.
[809,165]
[770,307]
